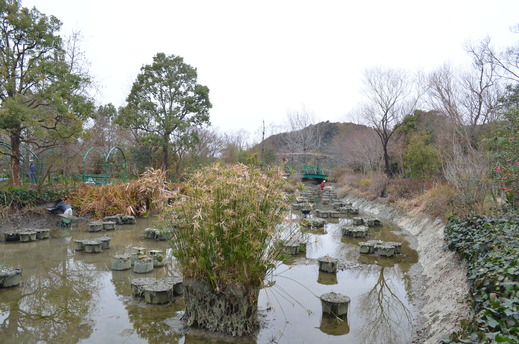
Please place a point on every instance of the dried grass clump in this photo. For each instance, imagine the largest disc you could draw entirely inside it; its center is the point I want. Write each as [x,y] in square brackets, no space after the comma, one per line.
[340,173]
[441,201]
[378,186]
[139,197]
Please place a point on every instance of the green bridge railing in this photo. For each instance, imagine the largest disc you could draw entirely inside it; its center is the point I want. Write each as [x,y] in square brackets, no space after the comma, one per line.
[310,171]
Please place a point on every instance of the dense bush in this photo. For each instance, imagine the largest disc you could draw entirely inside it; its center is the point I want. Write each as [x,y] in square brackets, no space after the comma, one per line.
[225,223]
[20,197]
[226,235]
[490,246]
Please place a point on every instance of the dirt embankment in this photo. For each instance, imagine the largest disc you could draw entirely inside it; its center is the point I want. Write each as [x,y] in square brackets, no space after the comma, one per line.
[30,218]
[440,284]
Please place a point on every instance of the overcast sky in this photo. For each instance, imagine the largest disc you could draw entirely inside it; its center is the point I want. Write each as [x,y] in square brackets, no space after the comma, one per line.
[263,59]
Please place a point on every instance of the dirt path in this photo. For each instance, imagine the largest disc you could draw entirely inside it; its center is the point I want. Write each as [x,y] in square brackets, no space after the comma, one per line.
[439,278]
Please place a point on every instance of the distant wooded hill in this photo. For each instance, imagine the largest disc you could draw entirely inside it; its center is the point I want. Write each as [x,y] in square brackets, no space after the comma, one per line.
[322,143]
[354,145]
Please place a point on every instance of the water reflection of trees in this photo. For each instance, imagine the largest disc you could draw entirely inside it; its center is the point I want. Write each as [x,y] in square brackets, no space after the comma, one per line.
[157,323]
[386,317]
[53,305]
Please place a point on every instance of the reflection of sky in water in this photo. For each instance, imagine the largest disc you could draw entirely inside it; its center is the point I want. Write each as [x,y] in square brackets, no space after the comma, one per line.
[74,297]
[329,244]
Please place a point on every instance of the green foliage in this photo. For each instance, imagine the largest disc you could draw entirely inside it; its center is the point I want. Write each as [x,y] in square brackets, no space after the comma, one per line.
[20,197]
[41,96]
[490,247]
[422,159]
[226,225]
[421,121]
[502,143]
[166,103]
[141,158]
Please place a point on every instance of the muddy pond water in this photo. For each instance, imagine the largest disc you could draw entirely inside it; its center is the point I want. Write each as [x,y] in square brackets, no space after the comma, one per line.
[69,296]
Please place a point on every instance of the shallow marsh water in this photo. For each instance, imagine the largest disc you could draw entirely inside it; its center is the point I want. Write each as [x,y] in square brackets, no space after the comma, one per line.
[68,296]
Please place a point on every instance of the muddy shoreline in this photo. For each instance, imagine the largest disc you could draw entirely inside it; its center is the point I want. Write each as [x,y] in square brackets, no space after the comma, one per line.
[31,218]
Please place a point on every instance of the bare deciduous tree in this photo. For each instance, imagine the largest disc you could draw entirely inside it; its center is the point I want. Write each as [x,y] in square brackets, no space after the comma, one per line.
[203,149]
[467,170]
[507,61]
[303,135]
[482,85]
[359,149]
[471,97]
[209,144]
[469,100]
[390,96]
[233,145]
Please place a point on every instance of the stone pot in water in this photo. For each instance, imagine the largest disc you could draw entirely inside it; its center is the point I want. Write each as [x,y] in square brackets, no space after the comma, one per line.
[121,262]
[150,233]
[93,246]
[12,236]
[105,242]
[143,264]
[95,226]
[177,282]
[158,293]
[328,264]
[9,277]
[109,225]
[292,247]
[357,221]
[27,236]
[158,257]
[42,233]
[79,245]
[138,285]
[137,252]
[335,304]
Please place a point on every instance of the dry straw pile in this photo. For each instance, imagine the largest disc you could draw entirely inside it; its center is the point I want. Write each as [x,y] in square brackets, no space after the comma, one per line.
[139,197]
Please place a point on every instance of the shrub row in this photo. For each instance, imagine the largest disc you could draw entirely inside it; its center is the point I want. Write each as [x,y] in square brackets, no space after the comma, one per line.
[490,247]
[20,197]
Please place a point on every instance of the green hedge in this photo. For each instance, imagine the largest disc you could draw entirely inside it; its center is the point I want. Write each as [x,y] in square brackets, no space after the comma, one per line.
[20,197]
[490,247]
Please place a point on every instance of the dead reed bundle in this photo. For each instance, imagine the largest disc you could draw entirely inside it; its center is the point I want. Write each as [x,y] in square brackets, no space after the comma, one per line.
[140,197]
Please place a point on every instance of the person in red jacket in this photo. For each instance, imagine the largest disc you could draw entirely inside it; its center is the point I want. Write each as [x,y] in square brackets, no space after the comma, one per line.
[322,184]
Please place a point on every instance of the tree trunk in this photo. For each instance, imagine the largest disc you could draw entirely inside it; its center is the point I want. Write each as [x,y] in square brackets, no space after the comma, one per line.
[165,153]
[387,166]
[16,170]
[231,310]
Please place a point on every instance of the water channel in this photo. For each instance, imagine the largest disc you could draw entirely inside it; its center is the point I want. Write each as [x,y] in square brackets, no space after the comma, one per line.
[69,296]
